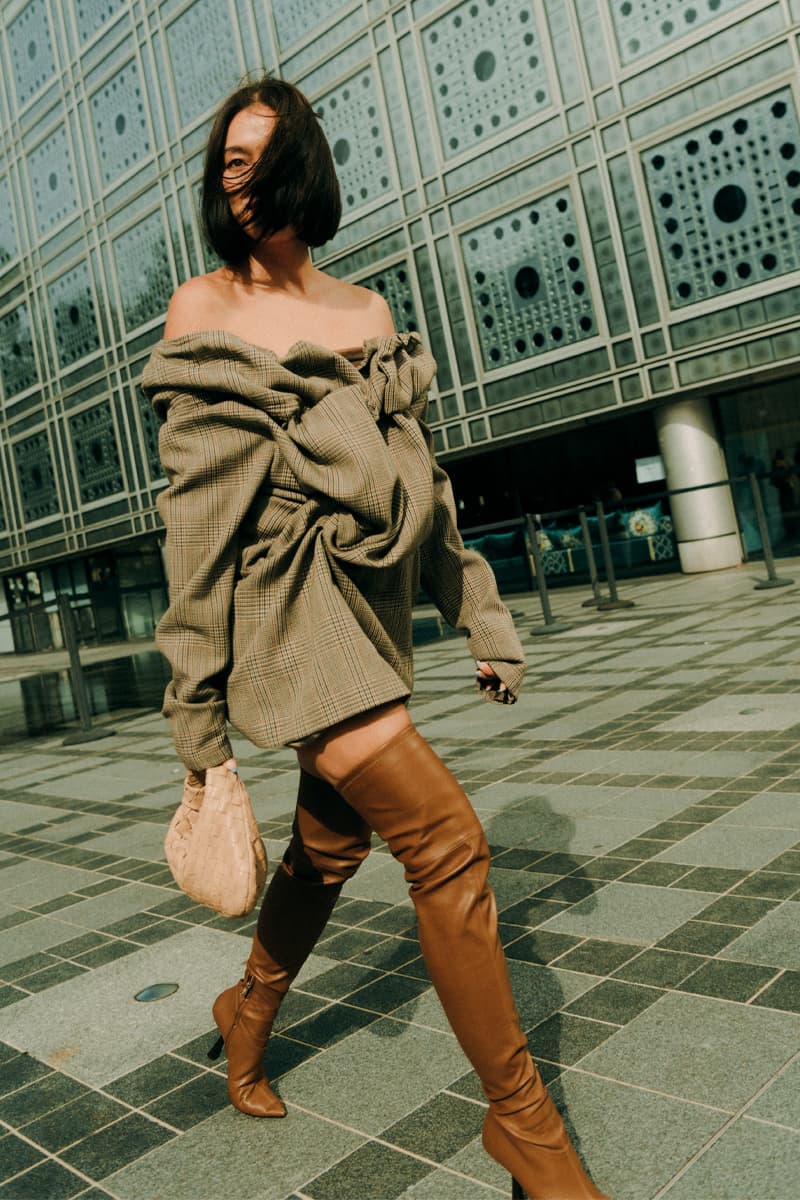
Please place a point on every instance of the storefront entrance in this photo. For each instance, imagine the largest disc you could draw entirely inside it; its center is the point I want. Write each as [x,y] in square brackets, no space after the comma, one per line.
[561,471]
[118,594]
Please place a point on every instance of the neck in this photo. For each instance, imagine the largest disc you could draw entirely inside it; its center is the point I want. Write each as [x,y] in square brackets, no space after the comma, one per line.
[280,262]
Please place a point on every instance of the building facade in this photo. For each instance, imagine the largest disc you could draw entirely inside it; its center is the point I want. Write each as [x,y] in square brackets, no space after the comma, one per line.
[589,208]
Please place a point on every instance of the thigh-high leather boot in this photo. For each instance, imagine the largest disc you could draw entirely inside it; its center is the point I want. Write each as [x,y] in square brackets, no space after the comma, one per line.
[409,797]
[329,842]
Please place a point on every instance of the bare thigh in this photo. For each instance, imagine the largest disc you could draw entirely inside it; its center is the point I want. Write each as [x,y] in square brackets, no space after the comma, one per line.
[345,747]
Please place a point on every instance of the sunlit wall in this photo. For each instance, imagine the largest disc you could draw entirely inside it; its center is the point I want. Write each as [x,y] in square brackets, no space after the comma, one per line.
[584,206]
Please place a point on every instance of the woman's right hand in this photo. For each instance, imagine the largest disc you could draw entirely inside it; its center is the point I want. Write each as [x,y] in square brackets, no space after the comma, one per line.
[489,682]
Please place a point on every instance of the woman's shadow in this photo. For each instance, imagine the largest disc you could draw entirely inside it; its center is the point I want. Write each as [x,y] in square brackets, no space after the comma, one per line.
[532,884]
[536,875]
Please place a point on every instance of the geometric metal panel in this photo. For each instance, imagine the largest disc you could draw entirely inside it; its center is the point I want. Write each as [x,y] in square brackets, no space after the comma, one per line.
[295,19]
[120,127]
[9,245]
[354,130]
[17,361]
[394,284]
[143,271]
[205,63]
[726,200]
[37,484]
[55,194]
[94,445]
[487,70]
[526,274]
[72,307]
[91,14]
[642,26]
[31,47]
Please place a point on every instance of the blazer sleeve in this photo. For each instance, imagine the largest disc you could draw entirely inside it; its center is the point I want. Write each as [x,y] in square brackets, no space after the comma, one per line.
[463,587]
[214,466]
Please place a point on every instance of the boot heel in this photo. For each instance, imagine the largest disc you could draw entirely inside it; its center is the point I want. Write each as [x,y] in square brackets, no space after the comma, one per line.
[216,1049]
[517,1191]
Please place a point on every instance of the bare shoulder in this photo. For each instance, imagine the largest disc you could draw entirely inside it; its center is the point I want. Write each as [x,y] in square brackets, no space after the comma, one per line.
[379,312]
[193,304]
[374,313]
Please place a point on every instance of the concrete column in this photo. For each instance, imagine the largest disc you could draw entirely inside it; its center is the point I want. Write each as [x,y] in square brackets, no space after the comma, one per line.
[705,522]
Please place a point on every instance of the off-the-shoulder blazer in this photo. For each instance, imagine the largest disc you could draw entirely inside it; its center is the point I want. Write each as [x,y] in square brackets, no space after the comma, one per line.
[303,503]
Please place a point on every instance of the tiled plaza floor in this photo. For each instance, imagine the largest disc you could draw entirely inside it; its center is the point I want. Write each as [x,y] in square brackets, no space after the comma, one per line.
[643,805]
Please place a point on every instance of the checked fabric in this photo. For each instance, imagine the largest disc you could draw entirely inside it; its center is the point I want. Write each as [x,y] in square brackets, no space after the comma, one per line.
[303,505]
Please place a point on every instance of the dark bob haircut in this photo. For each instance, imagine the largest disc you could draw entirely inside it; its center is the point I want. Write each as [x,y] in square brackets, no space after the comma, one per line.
[293,182]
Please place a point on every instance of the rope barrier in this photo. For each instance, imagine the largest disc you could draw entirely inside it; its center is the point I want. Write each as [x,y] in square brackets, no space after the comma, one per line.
[613,600]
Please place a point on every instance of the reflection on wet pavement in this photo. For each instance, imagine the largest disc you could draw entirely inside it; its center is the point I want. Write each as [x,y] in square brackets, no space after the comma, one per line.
[43,703]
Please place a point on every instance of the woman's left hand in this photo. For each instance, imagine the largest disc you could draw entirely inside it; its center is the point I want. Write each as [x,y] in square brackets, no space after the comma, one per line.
[489,682]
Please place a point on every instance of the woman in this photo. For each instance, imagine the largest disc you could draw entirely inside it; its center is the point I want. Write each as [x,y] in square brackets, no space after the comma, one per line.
[304,505]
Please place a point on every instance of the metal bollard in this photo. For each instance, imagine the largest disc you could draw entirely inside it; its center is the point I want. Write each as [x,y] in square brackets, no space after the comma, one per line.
[737,512]
[550,623]
[772,580]
[597,596]
[87,732]
[613,600]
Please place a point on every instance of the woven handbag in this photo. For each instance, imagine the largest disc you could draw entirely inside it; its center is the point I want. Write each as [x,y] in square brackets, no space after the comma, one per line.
[213,846]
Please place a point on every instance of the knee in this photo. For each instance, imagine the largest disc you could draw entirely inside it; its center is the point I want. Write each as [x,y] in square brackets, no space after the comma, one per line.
[433,862]
[329,862]
[329,839]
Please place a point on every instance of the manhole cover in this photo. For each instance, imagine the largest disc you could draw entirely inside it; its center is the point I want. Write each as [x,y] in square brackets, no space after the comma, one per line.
[156,991]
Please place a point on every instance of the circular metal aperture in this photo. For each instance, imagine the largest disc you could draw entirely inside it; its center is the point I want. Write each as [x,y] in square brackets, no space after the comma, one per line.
[484,65]
[526,281]
[730,203]
[156,991]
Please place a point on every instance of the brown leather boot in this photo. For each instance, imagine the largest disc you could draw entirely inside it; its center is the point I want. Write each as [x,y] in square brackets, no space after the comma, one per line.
[329,842]
[411,800]
[244,1015]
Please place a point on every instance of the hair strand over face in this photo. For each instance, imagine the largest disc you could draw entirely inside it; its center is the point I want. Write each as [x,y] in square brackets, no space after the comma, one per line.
[292,183]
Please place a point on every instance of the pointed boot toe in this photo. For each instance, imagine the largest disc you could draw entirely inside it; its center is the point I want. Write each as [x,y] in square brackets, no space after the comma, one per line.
[542,1159]
[244,1014]
[257,1099]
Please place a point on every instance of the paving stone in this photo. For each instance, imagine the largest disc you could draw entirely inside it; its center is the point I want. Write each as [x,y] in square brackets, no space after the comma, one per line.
[697,1066]
[371,1170]
[783,993]
[647,880]
[752,1158]
[46,1180]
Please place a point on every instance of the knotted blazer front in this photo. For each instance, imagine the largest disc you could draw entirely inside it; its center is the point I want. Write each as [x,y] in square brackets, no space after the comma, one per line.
[303,504]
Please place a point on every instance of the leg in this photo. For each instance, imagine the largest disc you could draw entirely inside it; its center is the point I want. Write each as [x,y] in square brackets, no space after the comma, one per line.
[329,842]
[408,796]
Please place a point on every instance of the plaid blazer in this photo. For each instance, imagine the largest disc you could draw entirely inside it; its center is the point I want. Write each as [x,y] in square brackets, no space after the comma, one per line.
[303,503]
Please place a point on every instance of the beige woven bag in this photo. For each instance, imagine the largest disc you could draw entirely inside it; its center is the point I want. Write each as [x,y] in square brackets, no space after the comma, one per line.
[213,846]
